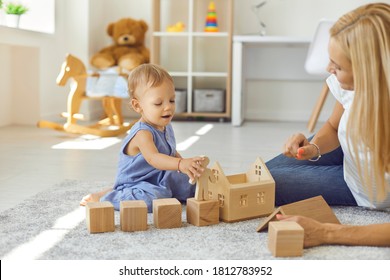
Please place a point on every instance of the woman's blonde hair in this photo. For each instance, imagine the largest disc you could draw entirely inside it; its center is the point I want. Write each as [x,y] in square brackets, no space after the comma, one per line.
[364,36]
[146,76]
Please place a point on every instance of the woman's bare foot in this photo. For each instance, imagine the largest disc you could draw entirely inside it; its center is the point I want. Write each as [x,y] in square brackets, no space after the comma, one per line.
[93,197]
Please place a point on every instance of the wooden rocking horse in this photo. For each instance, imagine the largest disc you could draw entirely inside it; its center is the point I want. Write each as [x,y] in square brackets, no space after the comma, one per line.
[110,126]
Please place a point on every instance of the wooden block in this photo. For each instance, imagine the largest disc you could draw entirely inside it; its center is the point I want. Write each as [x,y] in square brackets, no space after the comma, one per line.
[167,213]
[263,225]
[285,239]
[133,215]
[100,217]
[315,208]
[202,213]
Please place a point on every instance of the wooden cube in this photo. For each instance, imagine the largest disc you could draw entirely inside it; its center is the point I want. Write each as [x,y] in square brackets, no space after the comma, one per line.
[285,239]
[133,215]
[100,217]
[167,213]
[202,212]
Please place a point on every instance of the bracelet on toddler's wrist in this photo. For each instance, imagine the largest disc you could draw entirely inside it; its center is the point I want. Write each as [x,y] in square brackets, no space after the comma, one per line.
[178,166]
[318,153]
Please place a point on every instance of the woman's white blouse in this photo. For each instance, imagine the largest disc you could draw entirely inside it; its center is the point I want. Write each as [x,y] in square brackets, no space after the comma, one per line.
[351,176]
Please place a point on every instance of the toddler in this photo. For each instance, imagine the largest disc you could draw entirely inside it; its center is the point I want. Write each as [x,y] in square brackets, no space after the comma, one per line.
[149,165]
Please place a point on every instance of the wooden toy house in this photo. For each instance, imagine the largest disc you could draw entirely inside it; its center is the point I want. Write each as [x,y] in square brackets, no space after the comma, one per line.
[243,196]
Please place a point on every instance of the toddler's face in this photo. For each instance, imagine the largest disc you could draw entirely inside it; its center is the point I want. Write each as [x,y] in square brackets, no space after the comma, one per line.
[158,105]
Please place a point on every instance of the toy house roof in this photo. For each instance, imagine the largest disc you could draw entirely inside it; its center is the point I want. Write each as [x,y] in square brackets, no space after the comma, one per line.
[258,172]
[256,167]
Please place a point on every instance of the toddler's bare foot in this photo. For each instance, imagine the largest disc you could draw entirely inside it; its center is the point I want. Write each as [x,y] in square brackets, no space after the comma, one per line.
[93,197]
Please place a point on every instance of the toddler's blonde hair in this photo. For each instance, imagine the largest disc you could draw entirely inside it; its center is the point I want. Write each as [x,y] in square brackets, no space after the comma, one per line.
[146,76]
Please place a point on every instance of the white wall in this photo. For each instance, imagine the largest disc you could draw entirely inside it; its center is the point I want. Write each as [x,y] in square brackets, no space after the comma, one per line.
[290,17]
[287,100]
[81,30]
[20,79]
[5,89]
[33,59]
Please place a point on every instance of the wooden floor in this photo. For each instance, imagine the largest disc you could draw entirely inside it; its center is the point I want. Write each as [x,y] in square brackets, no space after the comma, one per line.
[30,163]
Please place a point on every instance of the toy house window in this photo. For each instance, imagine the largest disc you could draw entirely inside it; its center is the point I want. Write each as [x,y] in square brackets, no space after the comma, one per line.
[258,170]
[260,197]
[210,194]
[216,174]
[244,200]
[221,199]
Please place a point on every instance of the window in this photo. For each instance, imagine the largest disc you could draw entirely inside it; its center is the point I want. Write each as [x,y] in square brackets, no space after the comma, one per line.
[40,16]
[261,198]
[216,174]
[244,200]
[258,170]
[221,199]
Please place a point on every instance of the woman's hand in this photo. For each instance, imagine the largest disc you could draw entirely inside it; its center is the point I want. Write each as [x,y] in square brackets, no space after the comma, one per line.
[297,146]
[315,232]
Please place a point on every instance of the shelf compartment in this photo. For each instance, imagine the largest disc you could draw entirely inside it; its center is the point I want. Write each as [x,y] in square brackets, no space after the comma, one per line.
[194,58]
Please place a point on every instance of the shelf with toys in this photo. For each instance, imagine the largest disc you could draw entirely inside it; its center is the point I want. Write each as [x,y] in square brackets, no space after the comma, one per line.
[195,46]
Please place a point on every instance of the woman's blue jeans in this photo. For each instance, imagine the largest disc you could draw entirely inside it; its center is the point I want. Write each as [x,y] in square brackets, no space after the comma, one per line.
[301,179]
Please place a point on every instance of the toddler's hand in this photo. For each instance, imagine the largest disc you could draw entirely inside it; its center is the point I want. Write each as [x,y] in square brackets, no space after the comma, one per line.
[192,167]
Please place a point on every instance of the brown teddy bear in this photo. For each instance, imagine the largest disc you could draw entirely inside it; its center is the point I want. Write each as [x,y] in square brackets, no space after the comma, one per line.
[128,50]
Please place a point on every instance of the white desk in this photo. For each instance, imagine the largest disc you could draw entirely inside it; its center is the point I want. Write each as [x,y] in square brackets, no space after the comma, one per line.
[265,57]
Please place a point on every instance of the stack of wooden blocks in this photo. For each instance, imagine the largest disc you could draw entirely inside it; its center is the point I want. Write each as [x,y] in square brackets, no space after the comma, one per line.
[133,215]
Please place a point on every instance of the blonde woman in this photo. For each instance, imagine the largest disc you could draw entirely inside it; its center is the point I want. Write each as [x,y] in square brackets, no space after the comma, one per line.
[348,160]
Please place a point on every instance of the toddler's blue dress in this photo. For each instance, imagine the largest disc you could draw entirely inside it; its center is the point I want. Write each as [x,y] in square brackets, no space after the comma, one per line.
[137,180]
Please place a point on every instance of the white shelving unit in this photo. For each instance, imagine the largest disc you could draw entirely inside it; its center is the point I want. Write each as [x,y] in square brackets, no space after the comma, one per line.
[195,59]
